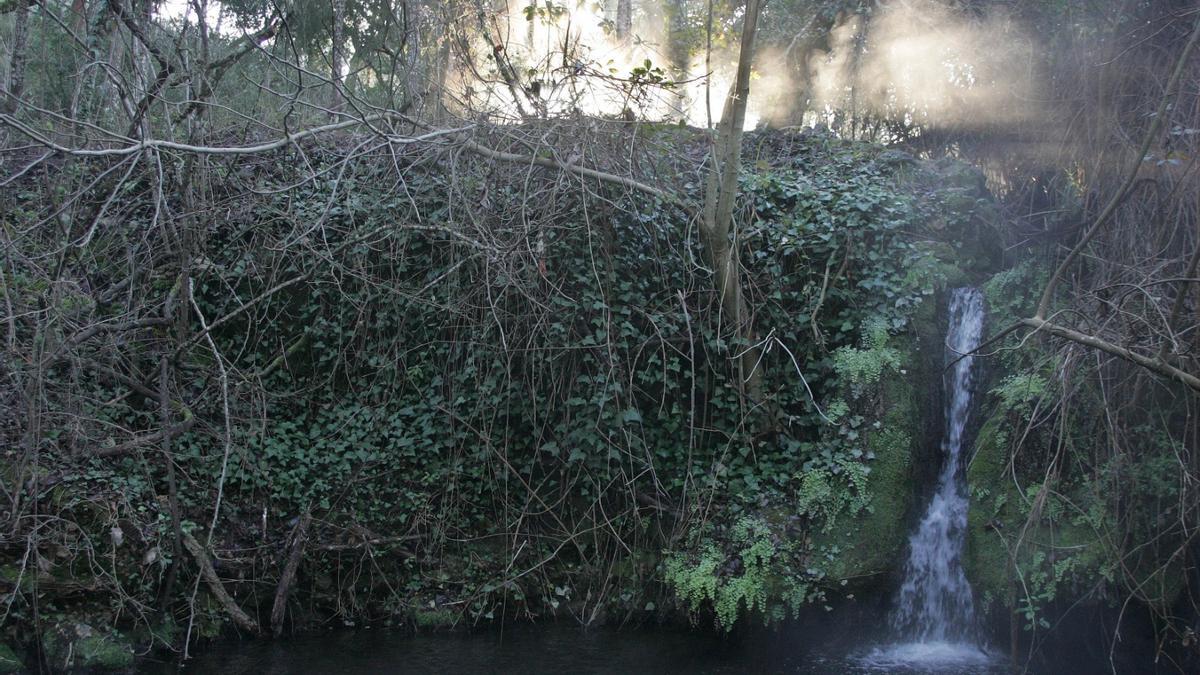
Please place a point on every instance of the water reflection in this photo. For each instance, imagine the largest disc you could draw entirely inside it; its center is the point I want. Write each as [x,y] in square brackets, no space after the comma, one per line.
[814,647]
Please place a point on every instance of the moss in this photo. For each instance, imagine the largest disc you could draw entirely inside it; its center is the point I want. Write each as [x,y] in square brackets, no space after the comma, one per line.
[10,574]
[992,512]
[956,174]
[1165,585]
[871,543]
[434,618]
[1058,554]
[9,661]
[1159,583]
[78,645]
[165,632]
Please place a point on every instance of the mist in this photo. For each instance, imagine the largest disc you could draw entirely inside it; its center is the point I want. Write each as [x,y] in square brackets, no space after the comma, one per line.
[921,63]
[917,62]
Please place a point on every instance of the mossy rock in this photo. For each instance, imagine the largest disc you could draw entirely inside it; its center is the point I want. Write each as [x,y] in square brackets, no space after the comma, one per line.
[9,661]
[1161,585]
[953,173]
[896,158]
[435,618]
[872,542]
[164,632]
[1055,553]
[997,516]
[992,513]
[11,574]
[73,645]
[967,217]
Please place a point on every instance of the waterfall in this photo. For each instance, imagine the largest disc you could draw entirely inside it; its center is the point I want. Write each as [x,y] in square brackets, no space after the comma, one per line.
[935,602]
[934,614]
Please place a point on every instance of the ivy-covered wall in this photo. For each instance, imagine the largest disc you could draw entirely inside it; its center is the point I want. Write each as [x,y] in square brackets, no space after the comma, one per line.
[528,413]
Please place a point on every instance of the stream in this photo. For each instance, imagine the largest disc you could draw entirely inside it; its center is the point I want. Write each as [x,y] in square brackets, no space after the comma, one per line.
[836,645]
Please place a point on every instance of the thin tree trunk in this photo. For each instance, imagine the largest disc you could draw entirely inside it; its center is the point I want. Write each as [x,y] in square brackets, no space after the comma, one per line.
[442,71]
[677,49]
[414,42]
[16,64]
[624,19]
[337,55]
[164,406]
[718,209]
[79,16]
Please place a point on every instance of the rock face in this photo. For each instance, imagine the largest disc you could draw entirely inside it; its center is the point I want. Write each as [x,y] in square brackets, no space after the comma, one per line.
[1054,547]
[993,507]
[869,548]
[886,228]
[79,645]
[1043,544]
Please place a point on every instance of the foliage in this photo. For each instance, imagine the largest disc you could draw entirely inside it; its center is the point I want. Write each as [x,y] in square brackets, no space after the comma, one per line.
[456,393]
[1012,293]
[9,661]
[864,366]
[754,576]
[822,498]
[79,646]
[256,278]
[1020,392]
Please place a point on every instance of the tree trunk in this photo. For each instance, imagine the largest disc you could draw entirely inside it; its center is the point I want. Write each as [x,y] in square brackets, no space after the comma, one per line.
[16,64]
[79,17]
[337,56]
[718,210]
[624,19]
[414,38]
[677,50]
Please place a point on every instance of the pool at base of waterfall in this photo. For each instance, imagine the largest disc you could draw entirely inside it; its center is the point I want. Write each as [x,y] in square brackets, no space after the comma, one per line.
[931,657]
[819,644]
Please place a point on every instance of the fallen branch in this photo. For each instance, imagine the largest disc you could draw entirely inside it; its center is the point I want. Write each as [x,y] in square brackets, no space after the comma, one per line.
[295,137]
[376,541]
[155,143]
[1149,363]
[299,534]
[569,168]
[239,616]
[652,502]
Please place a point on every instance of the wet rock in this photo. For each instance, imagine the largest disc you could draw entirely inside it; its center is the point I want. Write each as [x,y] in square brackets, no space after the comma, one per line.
[73,645]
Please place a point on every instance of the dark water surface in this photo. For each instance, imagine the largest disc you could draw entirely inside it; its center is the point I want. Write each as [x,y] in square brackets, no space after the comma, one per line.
[567,648]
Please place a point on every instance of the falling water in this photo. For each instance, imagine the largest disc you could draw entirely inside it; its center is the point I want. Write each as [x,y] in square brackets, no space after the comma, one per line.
[935,600]
[935,610]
